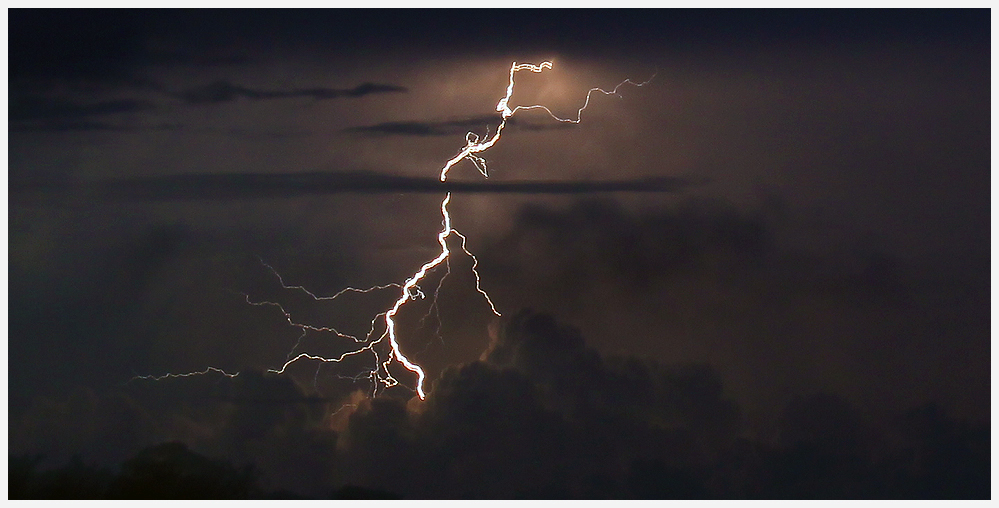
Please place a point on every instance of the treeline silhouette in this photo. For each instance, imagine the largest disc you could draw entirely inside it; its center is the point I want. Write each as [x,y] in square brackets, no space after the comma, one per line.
[164,471]
[824,456]
[824,453]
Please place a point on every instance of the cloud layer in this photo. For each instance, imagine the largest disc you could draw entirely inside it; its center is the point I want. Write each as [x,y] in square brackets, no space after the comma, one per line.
[225,91]
[217,187]
[540,416]
[450,127]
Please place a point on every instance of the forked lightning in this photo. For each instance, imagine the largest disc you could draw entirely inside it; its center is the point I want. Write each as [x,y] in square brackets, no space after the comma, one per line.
[410,290]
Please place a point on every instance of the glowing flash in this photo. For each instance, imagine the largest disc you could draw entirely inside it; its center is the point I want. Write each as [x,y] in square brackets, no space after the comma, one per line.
[390,323]
[410,290]
[473,147]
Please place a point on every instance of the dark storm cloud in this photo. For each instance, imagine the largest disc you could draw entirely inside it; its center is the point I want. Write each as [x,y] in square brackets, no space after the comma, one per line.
[577,380]
[263,420]
[544,416]
[765,297]
[107,48]
[54,125]
[449,127]
[116,426]
[541,416]
[111,46]
[225,91]
[641,250]
[67,126]
[42,108]
[57,47]
[244,186]
[39,113]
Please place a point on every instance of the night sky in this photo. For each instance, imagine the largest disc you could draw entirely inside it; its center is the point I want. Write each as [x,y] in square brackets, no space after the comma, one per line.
[763,274]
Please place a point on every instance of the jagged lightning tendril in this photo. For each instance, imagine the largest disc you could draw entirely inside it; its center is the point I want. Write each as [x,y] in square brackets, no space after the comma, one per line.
[390,323]
[471,150]
[188,374]
[473,146]
[410,290]
[338,293]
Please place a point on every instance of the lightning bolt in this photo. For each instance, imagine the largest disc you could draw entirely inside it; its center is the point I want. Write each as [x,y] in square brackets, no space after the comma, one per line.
[473,146]
[410,289]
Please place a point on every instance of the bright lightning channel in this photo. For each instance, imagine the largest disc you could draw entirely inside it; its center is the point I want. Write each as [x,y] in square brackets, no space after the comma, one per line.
[411,289]
[473,146]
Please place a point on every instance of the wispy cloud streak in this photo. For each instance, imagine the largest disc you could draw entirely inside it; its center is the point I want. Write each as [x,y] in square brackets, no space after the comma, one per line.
[225,91]
[457,127]
[253,185]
